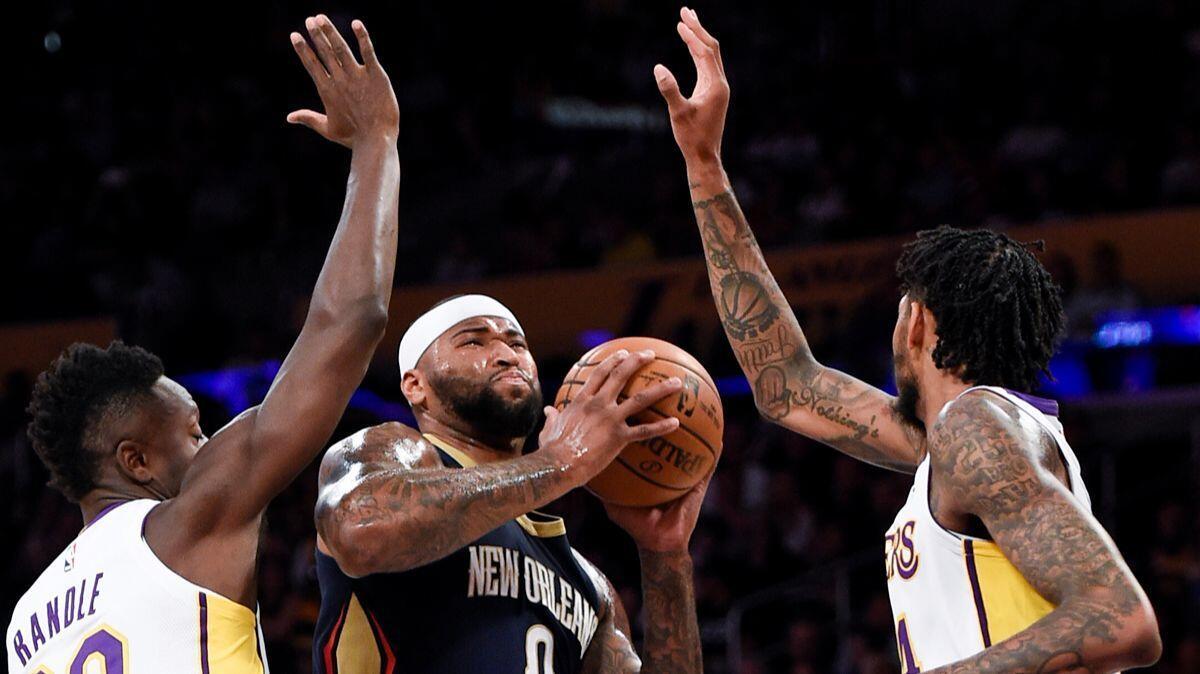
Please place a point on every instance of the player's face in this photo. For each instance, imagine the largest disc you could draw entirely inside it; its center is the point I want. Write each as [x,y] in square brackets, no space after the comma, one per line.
[481,370]
[176,440]
[908,395]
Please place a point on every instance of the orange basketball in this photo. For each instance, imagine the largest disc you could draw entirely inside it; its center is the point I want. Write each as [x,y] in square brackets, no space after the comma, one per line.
[663,468]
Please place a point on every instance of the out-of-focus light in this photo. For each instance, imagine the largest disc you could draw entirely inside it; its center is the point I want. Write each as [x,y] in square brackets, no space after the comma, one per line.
[1123,333]
[52,42]
[590,339]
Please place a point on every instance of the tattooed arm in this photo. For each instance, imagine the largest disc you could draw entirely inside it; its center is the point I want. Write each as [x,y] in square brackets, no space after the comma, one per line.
[986,465]
[790,387]
[387,503]
[672,638]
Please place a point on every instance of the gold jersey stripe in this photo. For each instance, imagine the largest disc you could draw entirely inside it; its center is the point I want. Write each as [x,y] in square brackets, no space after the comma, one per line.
[232,637]
[357,652]
[1009,600]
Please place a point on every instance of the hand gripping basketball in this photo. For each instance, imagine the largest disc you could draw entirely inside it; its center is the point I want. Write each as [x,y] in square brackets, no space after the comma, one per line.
[589,432]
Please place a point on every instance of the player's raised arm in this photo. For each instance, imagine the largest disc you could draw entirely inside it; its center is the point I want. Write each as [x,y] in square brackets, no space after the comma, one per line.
[790,387]
[253,458]
[989,467]
[387,504]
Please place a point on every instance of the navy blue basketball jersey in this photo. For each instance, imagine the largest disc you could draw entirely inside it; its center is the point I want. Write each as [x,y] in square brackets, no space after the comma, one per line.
[515,600]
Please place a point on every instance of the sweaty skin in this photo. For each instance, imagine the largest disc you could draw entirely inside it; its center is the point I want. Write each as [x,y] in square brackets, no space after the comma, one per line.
[207,527]
[388,504]
[986,470]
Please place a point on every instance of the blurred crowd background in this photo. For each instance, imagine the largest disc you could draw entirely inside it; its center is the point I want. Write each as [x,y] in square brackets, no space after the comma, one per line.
[149,177]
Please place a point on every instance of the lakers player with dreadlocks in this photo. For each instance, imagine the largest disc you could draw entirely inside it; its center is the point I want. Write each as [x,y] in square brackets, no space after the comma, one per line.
[995,563]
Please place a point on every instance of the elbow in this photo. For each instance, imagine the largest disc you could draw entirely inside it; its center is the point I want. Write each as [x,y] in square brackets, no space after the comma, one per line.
[1145,643]
[356,549]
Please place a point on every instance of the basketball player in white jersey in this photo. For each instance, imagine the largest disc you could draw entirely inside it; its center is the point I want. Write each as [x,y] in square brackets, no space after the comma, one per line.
[162,578]
[995,564]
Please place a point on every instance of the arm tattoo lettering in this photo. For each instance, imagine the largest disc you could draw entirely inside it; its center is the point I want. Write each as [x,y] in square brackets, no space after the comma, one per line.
[788,382]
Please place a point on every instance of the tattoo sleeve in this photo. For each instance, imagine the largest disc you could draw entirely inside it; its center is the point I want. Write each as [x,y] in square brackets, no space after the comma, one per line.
[672,636]
[790,387]
[387,504]
[671,642]
[985,465]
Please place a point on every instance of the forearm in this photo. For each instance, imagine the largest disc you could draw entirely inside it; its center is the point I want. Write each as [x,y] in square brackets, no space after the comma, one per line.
[394,520]
[756,316]
[790,387]
[361,261]
[672,636]
[1081,635]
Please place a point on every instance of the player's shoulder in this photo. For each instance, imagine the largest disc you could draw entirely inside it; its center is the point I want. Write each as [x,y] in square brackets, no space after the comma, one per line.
[390,444]
[981,429]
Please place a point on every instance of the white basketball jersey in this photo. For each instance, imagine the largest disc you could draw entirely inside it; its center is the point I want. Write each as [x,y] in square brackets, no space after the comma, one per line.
[955,595]
[107,605]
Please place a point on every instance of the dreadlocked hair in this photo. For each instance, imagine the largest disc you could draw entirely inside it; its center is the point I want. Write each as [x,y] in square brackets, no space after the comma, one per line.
[85,388]
[999,314]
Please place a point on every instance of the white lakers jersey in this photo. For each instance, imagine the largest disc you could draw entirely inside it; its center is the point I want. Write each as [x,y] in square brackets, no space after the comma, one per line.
[955,595]
[107,605]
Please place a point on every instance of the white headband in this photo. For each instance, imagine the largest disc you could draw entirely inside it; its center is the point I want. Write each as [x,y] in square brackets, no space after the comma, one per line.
[430,325]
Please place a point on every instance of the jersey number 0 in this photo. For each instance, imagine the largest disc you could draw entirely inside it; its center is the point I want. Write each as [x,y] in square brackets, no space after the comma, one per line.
[539,650]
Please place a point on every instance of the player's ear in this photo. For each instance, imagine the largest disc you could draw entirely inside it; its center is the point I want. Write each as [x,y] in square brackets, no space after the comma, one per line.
[918,322]
[133,462]
[412,385]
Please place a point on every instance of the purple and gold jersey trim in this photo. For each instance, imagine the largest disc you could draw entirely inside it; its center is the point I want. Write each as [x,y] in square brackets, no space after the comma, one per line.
[973,575]
[228,637]
[1004,600]
[203,634]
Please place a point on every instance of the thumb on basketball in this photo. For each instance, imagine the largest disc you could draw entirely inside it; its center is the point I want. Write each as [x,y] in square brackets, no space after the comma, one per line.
[311,119]
[667,86]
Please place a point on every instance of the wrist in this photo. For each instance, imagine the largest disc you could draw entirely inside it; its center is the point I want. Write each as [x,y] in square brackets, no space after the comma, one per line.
[559,456]
[706,173]
[376,141]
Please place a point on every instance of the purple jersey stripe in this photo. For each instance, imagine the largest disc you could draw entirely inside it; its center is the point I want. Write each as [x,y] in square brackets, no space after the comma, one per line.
[1043,405]
[973,574]
[203,633]
[107,509]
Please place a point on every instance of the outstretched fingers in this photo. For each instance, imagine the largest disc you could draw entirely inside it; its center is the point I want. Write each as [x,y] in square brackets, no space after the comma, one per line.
[365,46]
[321,46]
[692,21]
[310,61]
[341,50]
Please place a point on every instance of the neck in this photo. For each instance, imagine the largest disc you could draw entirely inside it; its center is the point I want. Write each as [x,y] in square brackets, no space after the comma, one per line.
[95,501]
[937,389]
[482,450]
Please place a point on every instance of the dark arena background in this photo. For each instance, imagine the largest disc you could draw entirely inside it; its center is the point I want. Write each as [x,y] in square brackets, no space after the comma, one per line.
[150,190]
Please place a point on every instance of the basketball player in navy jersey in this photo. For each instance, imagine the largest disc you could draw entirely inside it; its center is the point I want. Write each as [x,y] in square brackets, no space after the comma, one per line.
[996,563]
[163,577]
[432,557]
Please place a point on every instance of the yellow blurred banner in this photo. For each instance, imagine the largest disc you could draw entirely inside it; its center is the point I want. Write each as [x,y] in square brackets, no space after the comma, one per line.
[1160,252]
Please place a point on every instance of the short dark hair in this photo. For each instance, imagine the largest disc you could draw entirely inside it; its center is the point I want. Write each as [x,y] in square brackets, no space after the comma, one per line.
[999,314]
[82,390]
